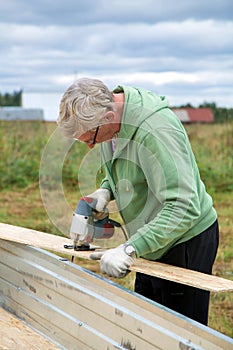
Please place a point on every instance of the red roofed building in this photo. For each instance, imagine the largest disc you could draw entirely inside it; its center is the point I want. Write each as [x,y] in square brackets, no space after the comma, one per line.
[194,115]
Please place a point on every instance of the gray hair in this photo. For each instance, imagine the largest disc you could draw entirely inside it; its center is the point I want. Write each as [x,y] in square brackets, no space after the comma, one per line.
[83,105]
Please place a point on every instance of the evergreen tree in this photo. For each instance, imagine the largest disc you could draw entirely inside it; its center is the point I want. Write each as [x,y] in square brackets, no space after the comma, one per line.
[14,99]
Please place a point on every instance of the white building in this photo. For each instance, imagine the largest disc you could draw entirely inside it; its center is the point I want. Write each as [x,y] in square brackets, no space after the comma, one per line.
[20,113]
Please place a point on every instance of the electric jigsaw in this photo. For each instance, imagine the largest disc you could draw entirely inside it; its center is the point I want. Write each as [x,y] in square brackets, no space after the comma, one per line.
[84,227]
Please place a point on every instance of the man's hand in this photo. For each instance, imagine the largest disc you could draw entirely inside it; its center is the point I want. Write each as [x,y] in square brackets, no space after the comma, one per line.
[116,262]
[103,198]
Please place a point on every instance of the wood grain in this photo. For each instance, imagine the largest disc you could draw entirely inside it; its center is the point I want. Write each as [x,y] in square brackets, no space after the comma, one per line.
[172,273]
[17,335]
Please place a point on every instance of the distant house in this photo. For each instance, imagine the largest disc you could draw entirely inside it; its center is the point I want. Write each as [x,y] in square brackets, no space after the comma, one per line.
[194,115]
[20,113]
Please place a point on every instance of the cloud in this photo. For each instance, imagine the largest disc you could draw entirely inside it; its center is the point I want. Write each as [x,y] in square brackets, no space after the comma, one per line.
[76,12]
[173,47]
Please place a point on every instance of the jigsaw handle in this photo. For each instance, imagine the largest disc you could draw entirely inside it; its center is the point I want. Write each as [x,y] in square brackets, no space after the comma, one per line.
[85,206]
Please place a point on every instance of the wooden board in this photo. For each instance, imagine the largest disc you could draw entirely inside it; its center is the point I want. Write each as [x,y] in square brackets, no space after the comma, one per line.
[17,335]
[164,271]
[38,239]
[78,309]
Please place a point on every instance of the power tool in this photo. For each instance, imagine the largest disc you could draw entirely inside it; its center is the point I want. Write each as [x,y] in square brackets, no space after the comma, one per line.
[84,227]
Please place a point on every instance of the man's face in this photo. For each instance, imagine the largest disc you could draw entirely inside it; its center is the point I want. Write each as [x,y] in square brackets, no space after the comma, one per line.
[90,137]
[104,132]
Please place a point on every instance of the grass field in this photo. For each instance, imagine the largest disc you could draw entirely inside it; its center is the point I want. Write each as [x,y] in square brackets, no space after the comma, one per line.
[22,145]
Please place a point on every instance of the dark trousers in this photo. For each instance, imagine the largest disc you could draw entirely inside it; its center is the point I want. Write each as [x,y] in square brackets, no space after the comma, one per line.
[196,254]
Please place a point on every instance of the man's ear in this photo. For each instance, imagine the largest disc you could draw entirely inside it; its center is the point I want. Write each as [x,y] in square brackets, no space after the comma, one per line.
[108,117]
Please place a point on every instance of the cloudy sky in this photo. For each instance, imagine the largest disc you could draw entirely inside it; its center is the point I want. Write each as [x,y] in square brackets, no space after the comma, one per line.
[182,49]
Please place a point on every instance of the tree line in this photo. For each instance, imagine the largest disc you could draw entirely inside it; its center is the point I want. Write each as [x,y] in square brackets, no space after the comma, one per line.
[220,114]
[11,99]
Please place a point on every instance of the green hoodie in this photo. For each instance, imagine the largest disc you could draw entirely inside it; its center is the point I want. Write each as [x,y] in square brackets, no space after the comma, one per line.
[154,177]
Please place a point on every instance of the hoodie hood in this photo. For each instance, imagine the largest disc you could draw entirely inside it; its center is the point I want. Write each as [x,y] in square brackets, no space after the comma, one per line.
[139,105]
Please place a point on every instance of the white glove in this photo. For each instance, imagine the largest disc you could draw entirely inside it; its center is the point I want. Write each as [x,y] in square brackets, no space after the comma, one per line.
[116,262]
[103,196]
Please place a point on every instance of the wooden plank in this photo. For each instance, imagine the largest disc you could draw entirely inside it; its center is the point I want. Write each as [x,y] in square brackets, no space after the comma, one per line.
[80,292]
[184,276]
[176,274]
[37,239]
[17,335]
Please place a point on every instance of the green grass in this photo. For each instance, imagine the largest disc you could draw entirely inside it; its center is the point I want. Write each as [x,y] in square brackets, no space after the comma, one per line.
[213,147]
[22,145]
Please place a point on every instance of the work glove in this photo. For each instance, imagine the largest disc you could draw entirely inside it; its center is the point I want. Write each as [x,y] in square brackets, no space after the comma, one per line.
[103,198]
[116,262]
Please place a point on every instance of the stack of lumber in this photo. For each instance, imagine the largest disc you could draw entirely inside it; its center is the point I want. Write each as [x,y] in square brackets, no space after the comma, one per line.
[77,309]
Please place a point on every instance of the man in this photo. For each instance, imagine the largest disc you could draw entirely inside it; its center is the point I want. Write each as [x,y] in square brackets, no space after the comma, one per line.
[152,174]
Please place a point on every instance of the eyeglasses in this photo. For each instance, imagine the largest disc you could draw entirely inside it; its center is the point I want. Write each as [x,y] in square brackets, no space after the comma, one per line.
[95,135]
[90,140]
